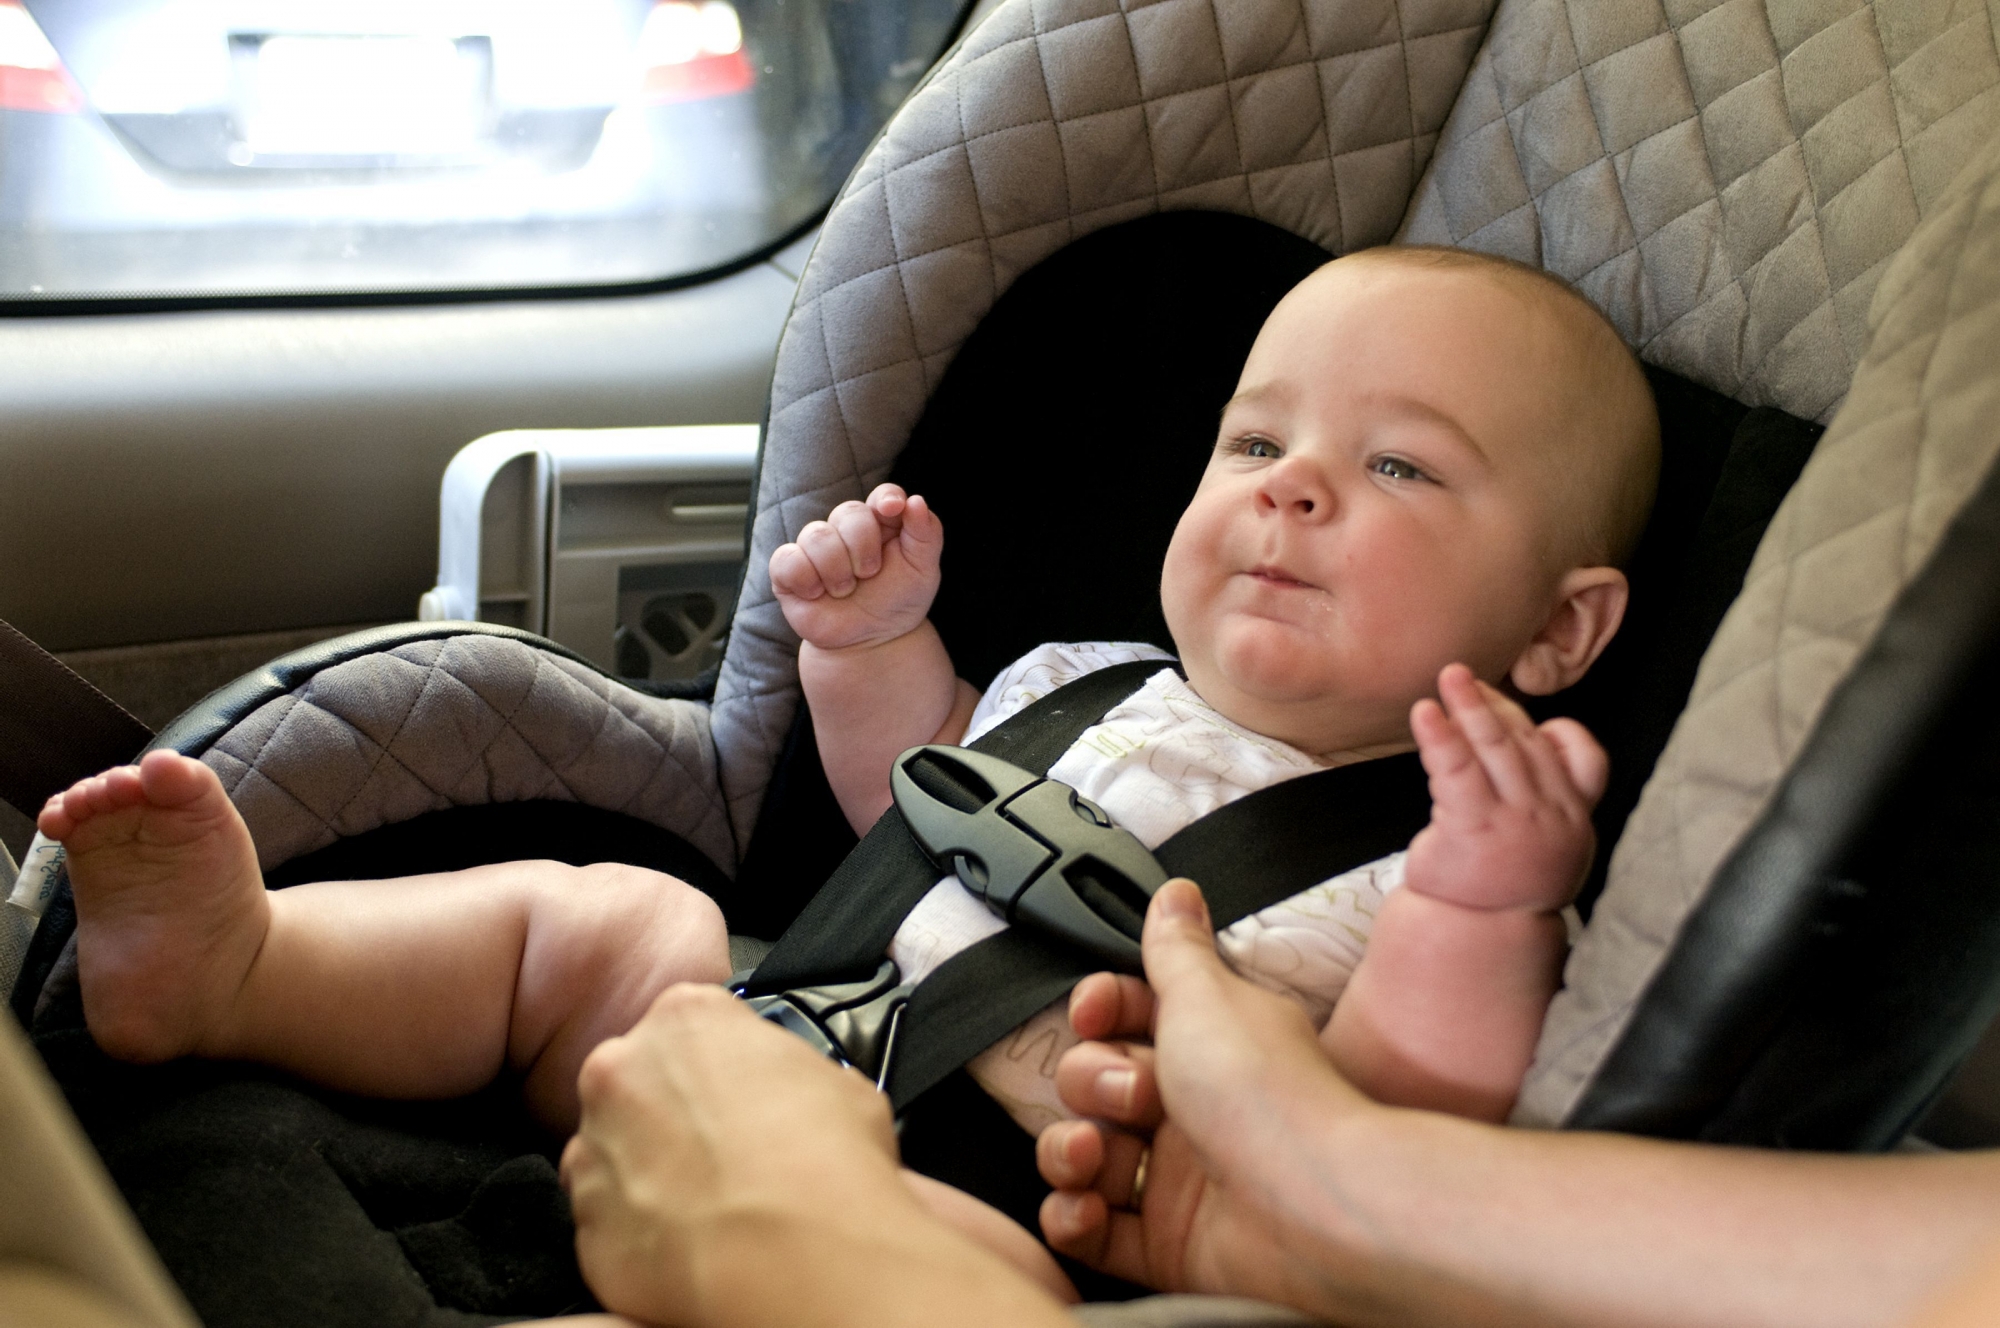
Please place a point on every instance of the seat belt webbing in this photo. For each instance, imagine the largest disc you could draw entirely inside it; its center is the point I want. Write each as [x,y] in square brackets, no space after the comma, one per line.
[1258,850]
[55,728]
[847,927]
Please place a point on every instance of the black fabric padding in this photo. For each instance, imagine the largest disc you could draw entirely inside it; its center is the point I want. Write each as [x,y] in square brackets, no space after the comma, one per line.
[273,1203]
[1847,954]
[801,837]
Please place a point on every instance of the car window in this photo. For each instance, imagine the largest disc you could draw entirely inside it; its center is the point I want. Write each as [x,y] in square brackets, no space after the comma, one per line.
[223,148]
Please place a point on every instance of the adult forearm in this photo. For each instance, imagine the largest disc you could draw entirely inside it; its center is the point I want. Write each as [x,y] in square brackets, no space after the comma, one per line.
[886,1264]
[871,702]
[1427,1219]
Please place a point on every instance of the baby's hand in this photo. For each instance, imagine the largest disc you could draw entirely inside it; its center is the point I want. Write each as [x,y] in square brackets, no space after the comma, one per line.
[865,575]
[1510,802]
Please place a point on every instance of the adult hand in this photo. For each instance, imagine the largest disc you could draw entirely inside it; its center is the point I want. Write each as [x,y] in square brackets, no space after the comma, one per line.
[1234,1081]
[704,1128]
[726,1175]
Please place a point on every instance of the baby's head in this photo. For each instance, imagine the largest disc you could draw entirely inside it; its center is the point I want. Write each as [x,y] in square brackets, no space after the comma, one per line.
[1432,456]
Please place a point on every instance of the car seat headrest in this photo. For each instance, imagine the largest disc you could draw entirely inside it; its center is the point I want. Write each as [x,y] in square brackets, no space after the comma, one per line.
[1727,181]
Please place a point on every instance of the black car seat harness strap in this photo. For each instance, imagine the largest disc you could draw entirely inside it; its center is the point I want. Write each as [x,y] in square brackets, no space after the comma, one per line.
[1073,886]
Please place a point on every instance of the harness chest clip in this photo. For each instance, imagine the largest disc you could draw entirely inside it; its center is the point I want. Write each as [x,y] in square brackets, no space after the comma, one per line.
[1040,854]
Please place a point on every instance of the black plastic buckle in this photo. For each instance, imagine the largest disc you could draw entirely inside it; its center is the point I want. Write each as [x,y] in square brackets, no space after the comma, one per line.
[852,1023]
[1038,852]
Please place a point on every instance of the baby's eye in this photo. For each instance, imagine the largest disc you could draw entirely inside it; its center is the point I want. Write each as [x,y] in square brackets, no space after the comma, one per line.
[1396,468]
[1263,448]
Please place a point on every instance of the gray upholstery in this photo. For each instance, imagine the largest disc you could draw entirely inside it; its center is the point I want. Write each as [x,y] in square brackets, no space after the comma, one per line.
[458,721]
[1918,431]
[1728,179]
[1053,119]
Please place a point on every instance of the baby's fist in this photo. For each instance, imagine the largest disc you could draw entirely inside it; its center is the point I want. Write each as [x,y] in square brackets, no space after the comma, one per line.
[1510,800]
[865,575]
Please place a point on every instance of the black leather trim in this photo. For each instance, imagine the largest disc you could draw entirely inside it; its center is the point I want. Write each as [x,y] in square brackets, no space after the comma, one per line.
[215,714]
[1847,955]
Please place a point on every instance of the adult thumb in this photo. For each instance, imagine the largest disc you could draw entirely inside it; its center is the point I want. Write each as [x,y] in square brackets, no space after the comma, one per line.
[1178,943]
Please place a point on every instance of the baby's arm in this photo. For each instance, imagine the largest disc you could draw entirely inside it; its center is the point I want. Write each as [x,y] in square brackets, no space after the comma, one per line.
[857,587]
[1445,1007]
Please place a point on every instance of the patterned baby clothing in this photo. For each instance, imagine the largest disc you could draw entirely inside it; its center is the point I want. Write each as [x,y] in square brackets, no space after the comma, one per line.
[1156,762]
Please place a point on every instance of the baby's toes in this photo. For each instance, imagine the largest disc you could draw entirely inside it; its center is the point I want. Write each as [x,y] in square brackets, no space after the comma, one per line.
[55,820]
[168,779]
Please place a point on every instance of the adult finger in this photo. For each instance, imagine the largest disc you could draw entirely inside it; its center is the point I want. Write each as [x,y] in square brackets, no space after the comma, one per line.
[1114,1082]
[1083,1226]
[1492,743]
[1083,1155]
[861,531]
[830,558]
[1111,1005]
[1178,948]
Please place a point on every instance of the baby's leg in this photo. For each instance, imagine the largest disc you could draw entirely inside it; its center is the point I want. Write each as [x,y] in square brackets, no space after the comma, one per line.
[1447,1004]
[421,987]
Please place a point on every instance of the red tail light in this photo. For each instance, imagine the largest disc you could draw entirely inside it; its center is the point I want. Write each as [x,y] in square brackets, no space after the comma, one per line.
[690,50]
[32,77]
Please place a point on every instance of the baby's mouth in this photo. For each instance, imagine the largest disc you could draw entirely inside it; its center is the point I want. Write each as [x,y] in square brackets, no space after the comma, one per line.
[1278,577]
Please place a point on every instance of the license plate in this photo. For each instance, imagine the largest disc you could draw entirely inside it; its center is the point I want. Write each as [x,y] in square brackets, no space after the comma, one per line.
[367,96]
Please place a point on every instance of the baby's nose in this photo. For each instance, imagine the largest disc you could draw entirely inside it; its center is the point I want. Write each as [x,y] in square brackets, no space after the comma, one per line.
[1295,487]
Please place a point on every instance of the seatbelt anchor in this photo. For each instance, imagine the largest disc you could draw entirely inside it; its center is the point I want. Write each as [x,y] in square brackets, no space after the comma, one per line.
[854,1024]
[1038,852]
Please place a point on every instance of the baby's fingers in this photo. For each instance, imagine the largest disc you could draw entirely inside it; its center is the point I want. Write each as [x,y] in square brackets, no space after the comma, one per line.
[1458,781]
[1583,759]
[1493,739]
[793,574]
[830,558]
[922,535]
[861,531]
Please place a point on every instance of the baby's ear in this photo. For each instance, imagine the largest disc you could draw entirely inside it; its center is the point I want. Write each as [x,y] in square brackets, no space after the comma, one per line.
[1590,605]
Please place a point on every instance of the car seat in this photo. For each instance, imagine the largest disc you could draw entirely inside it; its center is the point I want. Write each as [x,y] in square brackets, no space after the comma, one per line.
[1791,208]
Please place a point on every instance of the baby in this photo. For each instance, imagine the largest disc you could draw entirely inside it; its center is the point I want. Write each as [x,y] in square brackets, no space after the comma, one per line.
[1431,467]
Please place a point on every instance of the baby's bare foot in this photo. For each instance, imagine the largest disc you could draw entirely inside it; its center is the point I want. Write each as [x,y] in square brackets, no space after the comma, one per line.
[170,904]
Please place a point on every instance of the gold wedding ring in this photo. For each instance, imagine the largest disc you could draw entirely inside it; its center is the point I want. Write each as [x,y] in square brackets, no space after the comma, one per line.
[1138,1194]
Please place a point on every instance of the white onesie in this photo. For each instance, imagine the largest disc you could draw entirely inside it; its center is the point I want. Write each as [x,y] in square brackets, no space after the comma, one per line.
[1158,761]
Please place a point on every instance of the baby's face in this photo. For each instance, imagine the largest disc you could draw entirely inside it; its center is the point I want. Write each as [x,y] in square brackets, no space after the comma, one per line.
[1380,504]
